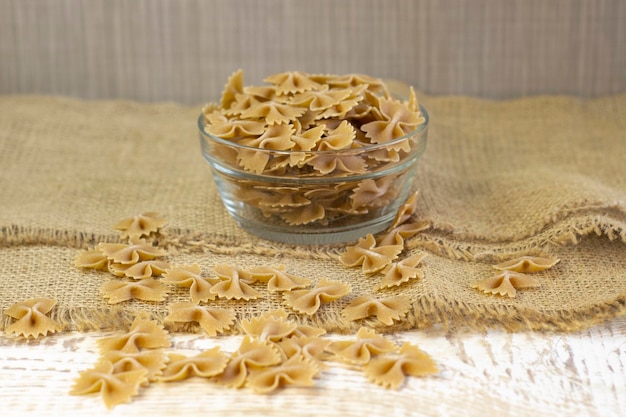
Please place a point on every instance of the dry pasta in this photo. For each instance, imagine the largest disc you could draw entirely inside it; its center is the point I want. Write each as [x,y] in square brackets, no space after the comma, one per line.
[31,318]
[390,370]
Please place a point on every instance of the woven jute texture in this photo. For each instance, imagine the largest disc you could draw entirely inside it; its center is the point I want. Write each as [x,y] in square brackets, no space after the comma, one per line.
[534,176]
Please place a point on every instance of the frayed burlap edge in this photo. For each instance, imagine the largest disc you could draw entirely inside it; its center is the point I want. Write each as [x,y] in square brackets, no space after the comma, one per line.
[425,312]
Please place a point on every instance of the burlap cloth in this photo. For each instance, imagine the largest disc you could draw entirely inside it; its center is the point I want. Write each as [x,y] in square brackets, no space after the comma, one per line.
[541,175]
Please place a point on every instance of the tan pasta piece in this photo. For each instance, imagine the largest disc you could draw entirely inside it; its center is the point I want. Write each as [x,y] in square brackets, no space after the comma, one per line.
[405,211]
[153,361]
[273,112]
[304,330]
[373,192]
[312,348]
[361,350]
[228,128]
[390,370]
[506,283]
[252,354]
[268,327]
[212,320]
[206,364]
[31,318]
[189,276]
[386,310]
[527,264]
[115,387]
[277,279]
[234,283]
[292,82]
[397,235]
[92,259]
[398,121]
[143,334]
[366,254]
[308,301]
[132,253]
[339,138]
[397,273]
[142,225]
[295,371]
[150,289]
[233,87]
[140,270]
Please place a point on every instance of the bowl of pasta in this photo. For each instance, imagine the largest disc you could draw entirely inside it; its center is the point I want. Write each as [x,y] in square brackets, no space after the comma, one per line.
[313,159]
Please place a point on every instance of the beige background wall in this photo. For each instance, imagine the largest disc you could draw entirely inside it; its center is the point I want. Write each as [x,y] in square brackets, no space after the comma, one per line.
[155,50]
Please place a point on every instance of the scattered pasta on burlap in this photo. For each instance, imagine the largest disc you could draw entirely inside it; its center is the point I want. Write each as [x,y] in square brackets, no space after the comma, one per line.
[386,310]
[308,301]
[212,320]
[189,276]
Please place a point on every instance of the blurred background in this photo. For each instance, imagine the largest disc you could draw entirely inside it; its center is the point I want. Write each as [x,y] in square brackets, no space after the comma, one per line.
[184,50]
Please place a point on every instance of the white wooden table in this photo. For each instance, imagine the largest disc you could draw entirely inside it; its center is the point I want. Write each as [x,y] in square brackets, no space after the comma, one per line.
[492,373]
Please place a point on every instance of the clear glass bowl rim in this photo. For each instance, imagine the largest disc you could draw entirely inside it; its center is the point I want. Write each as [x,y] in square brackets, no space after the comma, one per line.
[366,148]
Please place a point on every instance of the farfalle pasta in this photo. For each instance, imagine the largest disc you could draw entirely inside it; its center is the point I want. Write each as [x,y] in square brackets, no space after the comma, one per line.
[213,320]
[115,387]
[514,275]
[143,334]
[322,128]
[367,344]
[308,301]
[117,291]
[386,310]
[189,276]
[207,364]
[296,370]
[31,318]
[252,354]
[390,370]
[367,254]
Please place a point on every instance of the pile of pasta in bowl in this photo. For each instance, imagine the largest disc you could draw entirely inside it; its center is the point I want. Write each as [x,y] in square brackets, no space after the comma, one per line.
[313,159]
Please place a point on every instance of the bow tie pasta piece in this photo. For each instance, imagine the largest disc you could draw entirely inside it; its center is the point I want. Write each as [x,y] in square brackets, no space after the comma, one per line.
[397,273]
[361,350]
[115,387]
[233,87]
[130,253]
[92,258]
[397,121]
[212,320]
[153,361]
[252,354]
[189,276]
[527,264]
[206,364]
[397,235]
[386,310]
[296,371]
[321,99]
[227,128]
[277,279]
[268,327]
[140,270]
[390,370]
[31,318]
[234,284]
[308,301]
[141,225]
[312,348]
[292,82]
[143,334]
[370,257]
[273,113]
[506,283]
[149,289]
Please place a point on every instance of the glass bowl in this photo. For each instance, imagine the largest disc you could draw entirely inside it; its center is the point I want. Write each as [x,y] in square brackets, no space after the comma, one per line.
[291,201]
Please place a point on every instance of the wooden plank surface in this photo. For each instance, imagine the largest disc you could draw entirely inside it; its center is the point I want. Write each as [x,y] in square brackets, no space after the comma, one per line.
[491,373]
